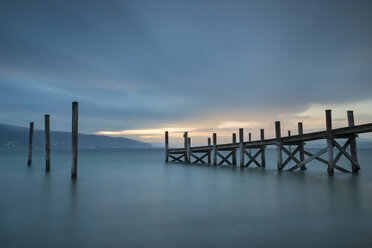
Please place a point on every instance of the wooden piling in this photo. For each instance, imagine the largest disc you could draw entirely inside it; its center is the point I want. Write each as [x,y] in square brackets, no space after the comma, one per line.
[289,147]
[250,140]
[241,147]
[166,147]
[209,152]
[331,163]
[47,143]
[74,138]
[278,145]
[214,149]
[263,159]
[234,153]
[301,146]
[353,145]
[185,145]
[30,137]
[188,150]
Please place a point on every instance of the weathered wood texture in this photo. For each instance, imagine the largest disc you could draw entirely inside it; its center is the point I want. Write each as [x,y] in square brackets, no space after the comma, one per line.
[284,145]
[47,143]
[74,138]
[30,138]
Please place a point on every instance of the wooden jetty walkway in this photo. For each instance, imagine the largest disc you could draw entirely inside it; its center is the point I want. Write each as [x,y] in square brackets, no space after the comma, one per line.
[211,153]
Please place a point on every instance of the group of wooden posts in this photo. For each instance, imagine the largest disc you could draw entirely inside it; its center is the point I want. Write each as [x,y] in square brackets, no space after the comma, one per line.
[284,145]
[74,139]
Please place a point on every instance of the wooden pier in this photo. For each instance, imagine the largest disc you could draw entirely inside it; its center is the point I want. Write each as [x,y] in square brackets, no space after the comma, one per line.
[253,152]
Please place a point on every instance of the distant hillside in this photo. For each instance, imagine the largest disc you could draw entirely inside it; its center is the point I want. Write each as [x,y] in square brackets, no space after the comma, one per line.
[17,137]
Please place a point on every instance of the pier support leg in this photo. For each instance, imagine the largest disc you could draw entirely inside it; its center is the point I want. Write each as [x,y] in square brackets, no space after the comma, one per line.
[241,147]
[47,143]
[278,145]
[166,147]
[74,138]
[234,153]
[188,150]
[30,137]
[263,159]
[353,145]
[214,149]
[185,145]
[301,146]
[331,163]
[209,152]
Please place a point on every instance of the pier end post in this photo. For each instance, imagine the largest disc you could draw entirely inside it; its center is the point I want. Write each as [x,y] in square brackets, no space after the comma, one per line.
[278,145]
[353,145]
[214,149]
[74,139]
[301,146]
[47,143]
[30,137]
[241,147]
[331,162]
[166,147]
[263,159]
[234,152]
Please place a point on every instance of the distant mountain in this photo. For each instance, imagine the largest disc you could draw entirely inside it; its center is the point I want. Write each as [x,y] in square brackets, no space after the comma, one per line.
[17,137]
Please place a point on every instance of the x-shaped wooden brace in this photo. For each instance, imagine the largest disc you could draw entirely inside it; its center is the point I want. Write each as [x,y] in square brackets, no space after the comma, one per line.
[199,159]
[253,158]
[344,152]
[289,157]
[176,158]
[225,159]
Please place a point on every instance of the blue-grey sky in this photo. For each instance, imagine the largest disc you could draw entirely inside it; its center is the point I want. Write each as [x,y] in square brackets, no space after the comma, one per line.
[198,65]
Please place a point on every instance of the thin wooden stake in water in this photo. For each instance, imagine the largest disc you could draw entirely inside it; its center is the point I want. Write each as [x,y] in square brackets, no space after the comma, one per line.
[74,138]
[47,143]
[166,146]
[30,136]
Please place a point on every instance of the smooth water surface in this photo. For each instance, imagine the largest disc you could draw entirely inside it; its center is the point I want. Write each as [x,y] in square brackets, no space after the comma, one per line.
[131,198]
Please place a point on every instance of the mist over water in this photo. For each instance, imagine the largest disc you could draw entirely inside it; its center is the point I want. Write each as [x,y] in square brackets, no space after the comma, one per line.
[131,198]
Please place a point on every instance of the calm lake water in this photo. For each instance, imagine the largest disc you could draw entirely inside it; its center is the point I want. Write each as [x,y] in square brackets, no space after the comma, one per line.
[131,198]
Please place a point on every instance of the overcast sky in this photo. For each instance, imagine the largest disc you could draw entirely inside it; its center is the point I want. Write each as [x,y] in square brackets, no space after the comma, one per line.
[199,65]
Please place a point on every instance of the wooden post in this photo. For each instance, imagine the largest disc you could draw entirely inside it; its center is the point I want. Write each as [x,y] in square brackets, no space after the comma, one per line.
[249,139]
[241,147]
[47,143]
[74,138]
[188,150]
[278,145]
[301,146]
[289,147]
[353,145]
[185,145]
[214,149]
[234,153]
[331,162]
[30,136]
[209,152]
[263,159]
[166,147]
